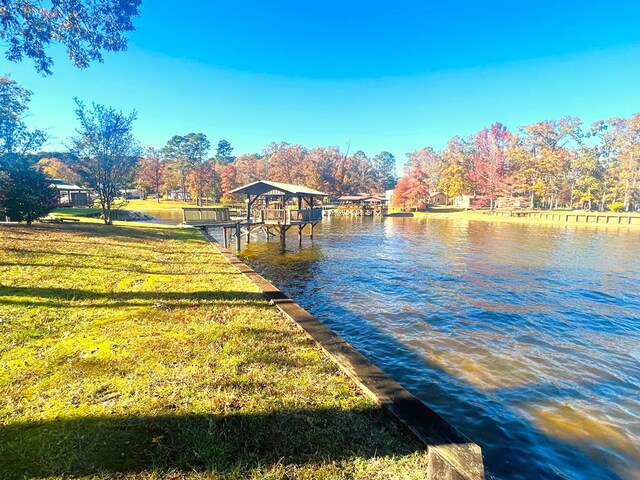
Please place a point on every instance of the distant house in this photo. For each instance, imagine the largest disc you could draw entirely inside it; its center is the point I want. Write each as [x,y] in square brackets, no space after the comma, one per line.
[388,195]
[512,202]
[71,195]
[177,195]
[438,198]
[132,194]
[362,204]
[462,201]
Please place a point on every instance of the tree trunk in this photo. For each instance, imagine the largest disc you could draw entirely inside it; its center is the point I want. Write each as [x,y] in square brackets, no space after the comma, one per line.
[626,201]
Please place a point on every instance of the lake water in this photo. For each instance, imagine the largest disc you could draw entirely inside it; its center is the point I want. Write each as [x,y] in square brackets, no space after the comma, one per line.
[525,337]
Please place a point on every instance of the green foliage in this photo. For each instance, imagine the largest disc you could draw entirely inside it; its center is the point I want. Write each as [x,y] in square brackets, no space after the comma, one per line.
[616,206]
[106,152]
[15,139]
[25,193]
[384,165]
[84,27]
[223,153]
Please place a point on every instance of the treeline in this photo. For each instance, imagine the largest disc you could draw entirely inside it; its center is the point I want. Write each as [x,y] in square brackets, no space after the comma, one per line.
[182,167]
[549,164]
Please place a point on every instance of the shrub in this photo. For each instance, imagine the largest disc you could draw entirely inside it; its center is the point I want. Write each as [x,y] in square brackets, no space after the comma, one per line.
[25,193]
[616,206]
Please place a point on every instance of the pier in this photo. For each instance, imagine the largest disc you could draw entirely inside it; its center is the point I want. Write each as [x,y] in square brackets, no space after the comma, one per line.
[361,205]
[592,218]
[272,209]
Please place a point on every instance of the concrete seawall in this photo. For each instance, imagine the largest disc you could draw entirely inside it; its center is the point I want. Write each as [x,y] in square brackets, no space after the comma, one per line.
[451,455]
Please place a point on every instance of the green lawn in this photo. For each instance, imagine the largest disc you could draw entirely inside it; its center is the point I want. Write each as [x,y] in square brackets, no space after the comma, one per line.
[76,212]
[138,352]
[151,204]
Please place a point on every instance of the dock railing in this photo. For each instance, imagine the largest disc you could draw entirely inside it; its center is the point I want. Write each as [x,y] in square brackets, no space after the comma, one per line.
[289,216]
[306,215]
[205,214]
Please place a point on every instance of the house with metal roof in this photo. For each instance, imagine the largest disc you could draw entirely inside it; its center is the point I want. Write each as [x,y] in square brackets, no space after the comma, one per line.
[71,195]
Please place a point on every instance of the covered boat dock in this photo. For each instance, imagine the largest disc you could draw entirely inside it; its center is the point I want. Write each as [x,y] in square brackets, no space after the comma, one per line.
[271,208]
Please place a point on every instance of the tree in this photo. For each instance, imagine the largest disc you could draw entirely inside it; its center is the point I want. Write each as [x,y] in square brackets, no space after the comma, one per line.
[359,175]
[223,153]
[458,160]
[186,153]
[54,167]
[227,181]
[151,172]
[587,183]
[488,169]
[106,150]
[250,168]
[413,187]
[384,164]
[321,170]
[626,141]
[284,165]
[25,192]
[15,139]
[85,27]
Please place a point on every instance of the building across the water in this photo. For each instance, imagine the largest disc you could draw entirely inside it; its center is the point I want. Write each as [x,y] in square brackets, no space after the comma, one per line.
[361,205]
[438,199]
[462,201]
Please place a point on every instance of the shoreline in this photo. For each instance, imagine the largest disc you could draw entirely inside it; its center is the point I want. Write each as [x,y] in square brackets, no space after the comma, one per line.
[501,218]
[451,454]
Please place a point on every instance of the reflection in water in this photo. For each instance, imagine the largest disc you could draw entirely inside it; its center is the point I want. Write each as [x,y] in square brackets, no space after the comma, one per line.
[171,216]
[526,337]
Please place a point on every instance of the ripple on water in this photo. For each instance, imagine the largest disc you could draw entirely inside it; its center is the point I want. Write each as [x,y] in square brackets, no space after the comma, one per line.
[527,338]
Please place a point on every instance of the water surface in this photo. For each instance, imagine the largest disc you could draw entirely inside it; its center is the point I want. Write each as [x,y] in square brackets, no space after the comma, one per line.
[525,337]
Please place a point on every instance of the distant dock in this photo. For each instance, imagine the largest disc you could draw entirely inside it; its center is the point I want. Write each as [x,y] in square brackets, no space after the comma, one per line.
[592,218]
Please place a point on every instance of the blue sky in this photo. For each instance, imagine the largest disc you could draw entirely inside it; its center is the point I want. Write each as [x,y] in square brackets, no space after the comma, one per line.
[381,76]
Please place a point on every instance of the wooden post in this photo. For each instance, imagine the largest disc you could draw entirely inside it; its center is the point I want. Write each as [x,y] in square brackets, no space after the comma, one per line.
[300,227]
[225,239]
[283,239]
[312,225]
[238,237]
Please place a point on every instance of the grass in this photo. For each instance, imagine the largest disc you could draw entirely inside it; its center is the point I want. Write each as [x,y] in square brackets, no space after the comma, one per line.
[151,204]
[76,212]
[138,352]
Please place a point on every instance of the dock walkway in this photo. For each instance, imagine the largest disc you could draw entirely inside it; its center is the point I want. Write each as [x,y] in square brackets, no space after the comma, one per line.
[256,221]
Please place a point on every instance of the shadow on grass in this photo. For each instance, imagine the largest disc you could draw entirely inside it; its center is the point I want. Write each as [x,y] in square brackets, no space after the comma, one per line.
[229,444]
[132,269]
[58,297]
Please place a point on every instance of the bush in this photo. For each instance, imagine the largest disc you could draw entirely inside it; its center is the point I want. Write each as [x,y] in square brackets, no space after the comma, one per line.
[616,206]
[26,193]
